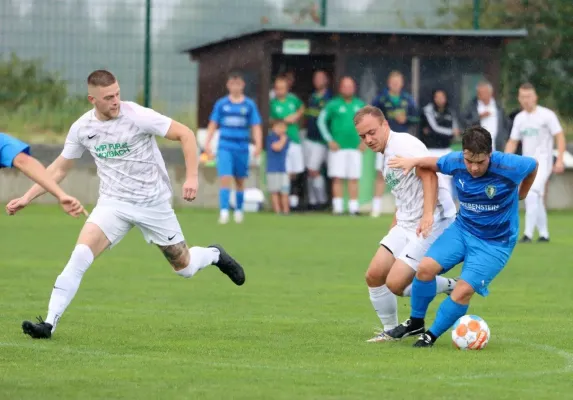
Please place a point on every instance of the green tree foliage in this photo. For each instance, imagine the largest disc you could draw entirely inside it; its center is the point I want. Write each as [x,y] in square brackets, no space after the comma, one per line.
[544,58]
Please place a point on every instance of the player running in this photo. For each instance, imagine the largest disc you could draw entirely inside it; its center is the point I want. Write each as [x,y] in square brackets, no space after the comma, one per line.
[16,154]
[134,191]
[536,127]
[483,235]
[424,210]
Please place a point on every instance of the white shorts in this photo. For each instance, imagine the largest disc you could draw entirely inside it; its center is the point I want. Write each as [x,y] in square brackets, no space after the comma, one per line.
[406,246]
[544,171]
[158,224]
[294,159]
[314,155]
[345,164]
[379,162]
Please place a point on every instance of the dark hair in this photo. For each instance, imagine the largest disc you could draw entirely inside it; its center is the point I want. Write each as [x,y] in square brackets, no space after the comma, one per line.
[527,86]
[477,140]
[235,75]
[101,78]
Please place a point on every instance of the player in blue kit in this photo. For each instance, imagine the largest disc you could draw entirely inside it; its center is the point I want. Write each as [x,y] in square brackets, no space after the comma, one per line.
[235,115]
[483,235]
[16,154]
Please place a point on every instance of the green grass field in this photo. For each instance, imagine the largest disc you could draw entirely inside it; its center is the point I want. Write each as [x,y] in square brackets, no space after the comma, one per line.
[295,330]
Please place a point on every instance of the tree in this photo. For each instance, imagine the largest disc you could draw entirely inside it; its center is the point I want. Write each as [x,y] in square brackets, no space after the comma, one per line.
[544,58]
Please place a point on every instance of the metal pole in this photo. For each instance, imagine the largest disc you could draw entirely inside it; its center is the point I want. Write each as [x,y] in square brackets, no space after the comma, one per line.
[476,14]
[147,60]
[323,13]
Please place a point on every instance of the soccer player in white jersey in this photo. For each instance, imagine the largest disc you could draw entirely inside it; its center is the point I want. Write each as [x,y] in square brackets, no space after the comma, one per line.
[134,191]
[424,209]
[537,127]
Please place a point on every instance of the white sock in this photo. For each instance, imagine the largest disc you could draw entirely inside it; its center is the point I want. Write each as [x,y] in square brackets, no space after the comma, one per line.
[68,282]
[385,305]
[293,200]
[338,205]
[542,226]
[312,200]
[531,211]
[442,285]
[320,189]
[353,206]
[376,205]
[199,258]
[224,213]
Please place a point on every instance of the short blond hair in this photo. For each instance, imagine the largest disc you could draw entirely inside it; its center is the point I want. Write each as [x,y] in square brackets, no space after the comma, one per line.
[369,110]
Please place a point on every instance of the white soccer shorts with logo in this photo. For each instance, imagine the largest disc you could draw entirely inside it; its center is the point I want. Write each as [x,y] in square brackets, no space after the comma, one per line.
[158,223]
[406,246]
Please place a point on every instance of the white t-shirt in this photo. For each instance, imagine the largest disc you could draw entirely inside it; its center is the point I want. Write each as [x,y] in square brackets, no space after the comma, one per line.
[407,189]
[129,163]
[489,122]
[536,131]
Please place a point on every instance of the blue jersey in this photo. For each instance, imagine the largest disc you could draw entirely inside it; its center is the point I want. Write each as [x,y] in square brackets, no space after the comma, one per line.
[10,147]
[235,121]
[276,160]
[489,204]
[393,105]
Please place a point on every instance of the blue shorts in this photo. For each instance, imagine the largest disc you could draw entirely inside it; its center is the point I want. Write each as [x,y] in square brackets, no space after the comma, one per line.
[483,260]
[233,163]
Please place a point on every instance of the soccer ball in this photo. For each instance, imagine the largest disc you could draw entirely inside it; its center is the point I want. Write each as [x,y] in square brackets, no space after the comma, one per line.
[470,332]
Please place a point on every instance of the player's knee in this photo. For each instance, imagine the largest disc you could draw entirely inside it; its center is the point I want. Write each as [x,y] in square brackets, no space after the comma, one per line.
[240,184]
[396,285]
[428,269]
[375,276]
[462,293]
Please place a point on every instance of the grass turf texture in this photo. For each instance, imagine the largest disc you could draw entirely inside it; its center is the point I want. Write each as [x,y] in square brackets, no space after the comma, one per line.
[296,330]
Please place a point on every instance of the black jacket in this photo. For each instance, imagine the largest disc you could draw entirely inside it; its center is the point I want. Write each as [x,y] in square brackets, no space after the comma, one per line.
[437,127]
[471,118]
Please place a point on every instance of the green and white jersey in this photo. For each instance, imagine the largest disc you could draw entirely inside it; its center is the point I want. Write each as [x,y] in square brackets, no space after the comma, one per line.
[336,122]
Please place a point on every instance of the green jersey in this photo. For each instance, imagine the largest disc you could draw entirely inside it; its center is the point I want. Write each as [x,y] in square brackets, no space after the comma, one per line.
[280,109]
[336,122]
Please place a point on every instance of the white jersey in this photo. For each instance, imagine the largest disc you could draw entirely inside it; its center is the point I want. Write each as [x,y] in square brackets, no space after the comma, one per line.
[407,189]
[129,164]
[536,131]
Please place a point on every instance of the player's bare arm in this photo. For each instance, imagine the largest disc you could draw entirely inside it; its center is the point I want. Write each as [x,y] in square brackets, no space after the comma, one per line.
[527,182]
[280,144]
[34,170]
[258,138]
[57,171]
[408,164]
[177,255]
[430,187]
[511,146]
[184,135]
[211,128]
[561,147]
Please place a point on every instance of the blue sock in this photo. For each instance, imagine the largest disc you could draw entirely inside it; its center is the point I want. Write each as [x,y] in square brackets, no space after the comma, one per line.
[240,196]
[448,313]
[423,292]
[224,195]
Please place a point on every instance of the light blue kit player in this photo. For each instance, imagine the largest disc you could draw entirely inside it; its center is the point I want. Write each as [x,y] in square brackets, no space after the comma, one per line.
[16,154]
[235,115]
[483,234]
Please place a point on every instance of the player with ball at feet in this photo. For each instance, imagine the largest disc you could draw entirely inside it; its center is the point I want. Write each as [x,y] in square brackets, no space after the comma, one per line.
[424,210]
[485,231]
[134,191]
